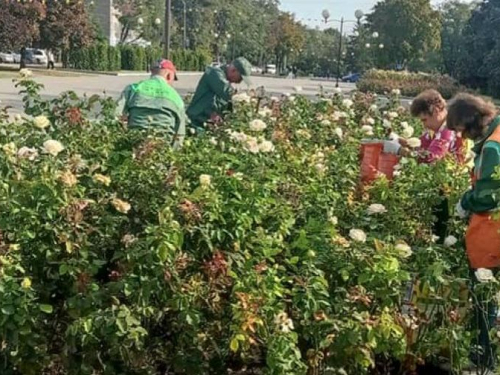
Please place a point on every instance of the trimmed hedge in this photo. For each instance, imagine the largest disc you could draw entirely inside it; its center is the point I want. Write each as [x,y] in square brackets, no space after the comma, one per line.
[410,84]
[102,57]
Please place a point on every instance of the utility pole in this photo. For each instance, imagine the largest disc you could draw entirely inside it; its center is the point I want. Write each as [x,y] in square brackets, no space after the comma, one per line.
[339,55]
[185,23]
[166,44]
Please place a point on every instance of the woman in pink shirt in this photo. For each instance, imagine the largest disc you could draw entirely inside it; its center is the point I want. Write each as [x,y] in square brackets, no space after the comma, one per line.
[436,143]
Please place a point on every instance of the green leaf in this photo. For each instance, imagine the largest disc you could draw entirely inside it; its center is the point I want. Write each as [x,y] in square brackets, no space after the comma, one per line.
[48,309]
[234,345]
[8,310]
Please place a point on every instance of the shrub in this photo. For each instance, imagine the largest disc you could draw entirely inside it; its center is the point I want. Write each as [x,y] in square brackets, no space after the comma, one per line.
[252,249]
[410,84]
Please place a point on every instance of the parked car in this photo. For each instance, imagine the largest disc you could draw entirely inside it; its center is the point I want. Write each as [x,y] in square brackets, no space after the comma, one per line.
[353,77]
[16,57]
[256,70]
[271,69]
[36,56]
[6,57]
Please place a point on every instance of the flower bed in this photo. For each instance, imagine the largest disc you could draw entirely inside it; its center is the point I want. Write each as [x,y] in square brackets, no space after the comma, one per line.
[252,247]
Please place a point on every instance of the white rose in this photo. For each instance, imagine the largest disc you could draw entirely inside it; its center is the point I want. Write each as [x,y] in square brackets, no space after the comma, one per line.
[239,137]
[25,73]
[205,180]
[404,124]
[339,132]
[404,250]
[304,134]
[18,118]
[348,103]
[325,122]
[370,121]
[386,123]
[41,122]
[450,241]
[10,148]
[321,168]
[396,92]
[52,147]
[252,145]
[367,129]
[333,220]
[373,107]
[484,275]
[414,142]
[376,208]
[407,132]
[266,146]
[393,115]
[27,153]
[264,112]
[337,90]
[213,141]
[257,125]
[396,174]
[241,98]
[357,235]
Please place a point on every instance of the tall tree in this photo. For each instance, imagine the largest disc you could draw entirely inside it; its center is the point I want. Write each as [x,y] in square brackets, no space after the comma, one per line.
[478,65]
[456,15]
[19,24]
[408,29]
[286,39]
[66,25]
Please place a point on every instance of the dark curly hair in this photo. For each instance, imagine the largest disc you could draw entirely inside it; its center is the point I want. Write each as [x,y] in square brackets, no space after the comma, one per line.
[471,115]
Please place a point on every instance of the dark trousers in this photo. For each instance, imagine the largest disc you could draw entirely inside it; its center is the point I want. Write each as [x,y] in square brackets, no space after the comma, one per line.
[50,65]
[483,353]
[442,213]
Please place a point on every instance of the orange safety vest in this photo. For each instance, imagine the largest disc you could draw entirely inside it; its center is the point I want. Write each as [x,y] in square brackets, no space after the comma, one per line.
[482,239]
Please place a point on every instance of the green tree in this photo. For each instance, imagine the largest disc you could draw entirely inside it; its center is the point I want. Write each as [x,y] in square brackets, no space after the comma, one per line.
[455,15]
[478,65]
[408,29]
[285,39]
[65,26]
[20,24]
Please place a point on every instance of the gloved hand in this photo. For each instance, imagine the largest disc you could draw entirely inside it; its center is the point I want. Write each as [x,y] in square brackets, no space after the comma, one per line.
[460,211]
[391,147]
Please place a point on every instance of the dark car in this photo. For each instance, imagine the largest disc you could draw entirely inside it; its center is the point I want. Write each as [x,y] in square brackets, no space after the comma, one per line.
[353,78]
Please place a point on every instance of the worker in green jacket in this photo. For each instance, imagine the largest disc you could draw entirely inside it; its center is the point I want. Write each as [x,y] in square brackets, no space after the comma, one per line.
[212,97]
[479,121]
[154,103]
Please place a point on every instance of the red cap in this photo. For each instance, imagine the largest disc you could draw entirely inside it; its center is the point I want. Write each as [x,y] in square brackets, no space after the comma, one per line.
[165,64]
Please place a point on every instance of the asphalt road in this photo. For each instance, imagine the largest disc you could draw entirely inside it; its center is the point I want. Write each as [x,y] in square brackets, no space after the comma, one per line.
[113,85]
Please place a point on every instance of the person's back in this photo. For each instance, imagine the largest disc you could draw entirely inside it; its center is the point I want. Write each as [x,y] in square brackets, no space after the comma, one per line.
[210,96]
[214,91]
[154,104]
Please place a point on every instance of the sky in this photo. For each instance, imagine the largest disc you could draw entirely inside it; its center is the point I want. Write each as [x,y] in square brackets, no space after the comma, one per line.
[309,11]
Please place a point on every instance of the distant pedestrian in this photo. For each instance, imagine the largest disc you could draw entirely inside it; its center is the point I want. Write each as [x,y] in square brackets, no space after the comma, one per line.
[23,58]
[50,60]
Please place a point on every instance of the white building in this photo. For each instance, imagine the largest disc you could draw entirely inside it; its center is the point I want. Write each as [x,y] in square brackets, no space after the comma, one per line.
[106,16]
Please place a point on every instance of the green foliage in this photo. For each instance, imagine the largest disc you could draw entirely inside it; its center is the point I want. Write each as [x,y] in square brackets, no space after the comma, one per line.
[408,29]
[410,84]
[120,255]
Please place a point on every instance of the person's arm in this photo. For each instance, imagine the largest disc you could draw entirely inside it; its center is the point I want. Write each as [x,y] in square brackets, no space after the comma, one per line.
[437,148]
[484,196]
[121,104]
[220,85]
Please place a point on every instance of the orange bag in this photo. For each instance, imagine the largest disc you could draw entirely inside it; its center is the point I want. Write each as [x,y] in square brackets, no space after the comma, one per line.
[370,153]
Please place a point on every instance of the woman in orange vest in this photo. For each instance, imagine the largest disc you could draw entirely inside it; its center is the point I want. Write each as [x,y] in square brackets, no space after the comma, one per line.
[478,120]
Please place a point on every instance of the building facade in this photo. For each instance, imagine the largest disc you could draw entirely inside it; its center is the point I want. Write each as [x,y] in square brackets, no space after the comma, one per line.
[106,16]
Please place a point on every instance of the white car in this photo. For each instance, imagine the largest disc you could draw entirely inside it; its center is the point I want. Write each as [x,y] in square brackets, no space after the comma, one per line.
[271,69]
[256,70]
[36,56]
[16,57]
[6,57]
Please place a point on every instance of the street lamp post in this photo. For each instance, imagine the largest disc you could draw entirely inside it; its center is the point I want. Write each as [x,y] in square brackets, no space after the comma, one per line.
[168,9]
[326,15]
[184,30]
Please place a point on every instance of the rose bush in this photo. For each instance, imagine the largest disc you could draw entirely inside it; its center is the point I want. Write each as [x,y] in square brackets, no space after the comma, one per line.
[253,247]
